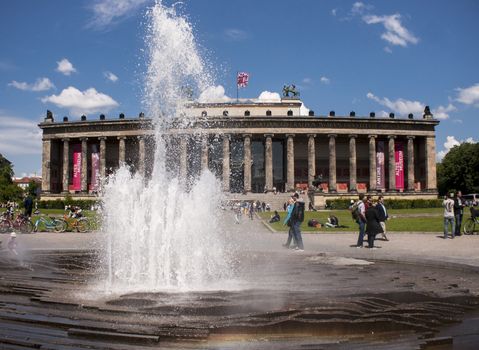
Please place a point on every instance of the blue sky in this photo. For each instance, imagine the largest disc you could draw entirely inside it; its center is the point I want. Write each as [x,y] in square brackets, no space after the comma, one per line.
[86,57]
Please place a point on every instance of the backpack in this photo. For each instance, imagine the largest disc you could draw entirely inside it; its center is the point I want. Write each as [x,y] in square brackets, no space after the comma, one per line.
[298,212]
[355,211]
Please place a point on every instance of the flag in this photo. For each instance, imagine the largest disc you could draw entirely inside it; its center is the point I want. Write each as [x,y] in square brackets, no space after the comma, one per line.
[242,79]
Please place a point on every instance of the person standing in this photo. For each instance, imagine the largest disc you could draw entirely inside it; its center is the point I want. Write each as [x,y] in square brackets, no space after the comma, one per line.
[373,226]
[297,217]
[448,205]
[360,209]
[28,205]
[383,216]
[458,212]
[287,222]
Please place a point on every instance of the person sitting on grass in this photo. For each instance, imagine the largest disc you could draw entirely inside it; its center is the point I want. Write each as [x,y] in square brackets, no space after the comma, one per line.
[275,217]
[314,223]
[332,221]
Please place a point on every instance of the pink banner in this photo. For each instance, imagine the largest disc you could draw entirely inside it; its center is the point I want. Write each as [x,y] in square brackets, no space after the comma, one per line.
[95,168]
[77,167]
[399,160]
[380,178]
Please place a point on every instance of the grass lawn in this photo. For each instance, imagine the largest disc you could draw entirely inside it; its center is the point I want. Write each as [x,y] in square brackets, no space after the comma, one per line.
[431,221]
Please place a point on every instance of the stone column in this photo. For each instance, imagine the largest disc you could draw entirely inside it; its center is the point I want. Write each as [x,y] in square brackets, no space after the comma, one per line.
[84,165]
[46,165]
[410,163]
[226,163]
[66,164]
[311,159]
[247,163]
[431,185]
[352,164]
[204,152]
[102,157]
[332,163]
[121,150]
[392,164]
[290,162]
[372,164]
[183,158]
[142,155]
[268,162]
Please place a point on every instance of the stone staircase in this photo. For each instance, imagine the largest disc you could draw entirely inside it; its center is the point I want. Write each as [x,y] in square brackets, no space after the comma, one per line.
[275,201]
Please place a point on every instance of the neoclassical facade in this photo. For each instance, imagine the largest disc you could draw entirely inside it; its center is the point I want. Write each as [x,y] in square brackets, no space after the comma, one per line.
[253,147]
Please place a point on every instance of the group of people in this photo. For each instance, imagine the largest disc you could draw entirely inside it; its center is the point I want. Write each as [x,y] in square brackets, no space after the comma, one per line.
[249,208]
[294,218]
[371,216]
[453,213]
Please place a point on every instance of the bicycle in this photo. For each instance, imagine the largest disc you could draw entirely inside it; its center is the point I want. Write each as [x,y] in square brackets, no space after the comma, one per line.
[470,224]
[21,223]
[49,223]
[80,224]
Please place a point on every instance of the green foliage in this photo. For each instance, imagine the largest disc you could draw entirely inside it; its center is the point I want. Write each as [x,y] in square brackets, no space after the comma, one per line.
[32,189]
[391,203]
[8,190]
[459,169]
[61,204]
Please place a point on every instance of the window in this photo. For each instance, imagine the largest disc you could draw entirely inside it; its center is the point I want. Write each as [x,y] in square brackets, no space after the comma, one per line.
[290,113]
[246,113]
[225,113]
[268,113]
[204,114]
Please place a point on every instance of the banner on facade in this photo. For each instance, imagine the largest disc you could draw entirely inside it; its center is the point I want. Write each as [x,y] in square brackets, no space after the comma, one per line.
[77,167]
[399,160]
[380,177]
[95,168]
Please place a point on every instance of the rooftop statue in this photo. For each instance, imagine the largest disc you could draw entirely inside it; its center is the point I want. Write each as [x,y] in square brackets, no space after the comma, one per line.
[287,89]
[427,113]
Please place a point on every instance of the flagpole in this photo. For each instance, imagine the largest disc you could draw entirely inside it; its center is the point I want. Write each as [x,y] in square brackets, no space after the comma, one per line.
[237,88]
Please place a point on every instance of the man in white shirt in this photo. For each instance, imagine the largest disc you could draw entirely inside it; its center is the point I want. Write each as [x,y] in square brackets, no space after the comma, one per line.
[448,205]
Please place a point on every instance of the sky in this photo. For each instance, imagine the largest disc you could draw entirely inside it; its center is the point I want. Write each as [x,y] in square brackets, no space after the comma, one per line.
[87,57]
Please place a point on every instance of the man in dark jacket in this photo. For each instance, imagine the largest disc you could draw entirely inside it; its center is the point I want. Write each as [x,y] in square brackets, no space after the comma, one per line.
[383,216]
[458,212]
[297,217]
[28,204]
[373,227]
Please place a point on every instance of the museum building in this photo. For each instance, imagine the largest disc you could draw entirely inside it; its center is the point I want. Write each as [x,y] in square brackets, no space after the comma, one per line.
[253,147]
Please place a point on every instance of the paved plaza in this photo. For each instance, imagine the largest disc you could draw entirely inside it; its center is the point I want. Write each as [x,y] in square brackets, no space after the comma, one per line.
[418,291]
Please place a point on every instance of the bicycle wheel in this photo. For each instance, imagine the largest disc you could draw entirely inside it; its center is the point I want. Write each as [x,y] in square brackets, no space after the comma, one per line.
[469,226]
[83,225]
[60,226]
[4,226]
[26,226]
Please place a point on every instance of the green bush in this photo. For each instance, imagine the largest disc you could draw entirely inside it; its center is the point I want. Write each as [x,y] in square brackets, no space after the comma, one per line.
[390,203]
[60,204]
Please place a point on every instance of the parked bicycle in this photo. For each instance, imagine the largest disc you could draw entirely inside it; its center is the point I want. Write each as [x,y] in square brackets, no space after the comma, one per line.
[21,223]
[472,223]
[49,223]
[75,222]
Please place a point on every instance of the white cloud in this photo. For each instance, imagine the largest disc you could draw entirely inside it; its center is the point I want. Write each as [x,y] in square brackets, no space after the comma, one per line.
[358,8]
[41,84]
[65,67]
[395,33]
[449,144]
[267,96]
[307,81]
[107,12]
[110,76]
[404,107]
[324,80]
[235,34]
[469,96]
[334,12]
[78,102]
[213,94]
[388,49]
[19,136]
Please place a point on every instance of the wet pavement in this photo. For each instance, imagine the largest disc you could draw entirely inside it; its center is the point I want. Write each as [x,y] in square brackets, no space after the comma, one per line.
[417,292]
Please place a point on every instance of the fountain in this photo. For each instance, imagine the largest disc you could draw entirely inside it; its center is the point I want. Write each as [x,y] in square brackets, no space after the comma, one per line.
[163,232]
[176,278]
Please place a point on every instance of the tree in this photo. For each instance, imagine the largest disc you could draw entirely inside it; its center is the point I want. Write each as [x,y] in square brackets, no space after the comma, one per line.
[459,170]
[32,189]
[8,190]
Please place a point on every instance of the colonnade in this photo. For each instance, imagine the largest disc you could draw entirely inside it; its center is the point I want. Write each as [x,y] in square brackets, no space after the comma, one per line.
[429,142]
